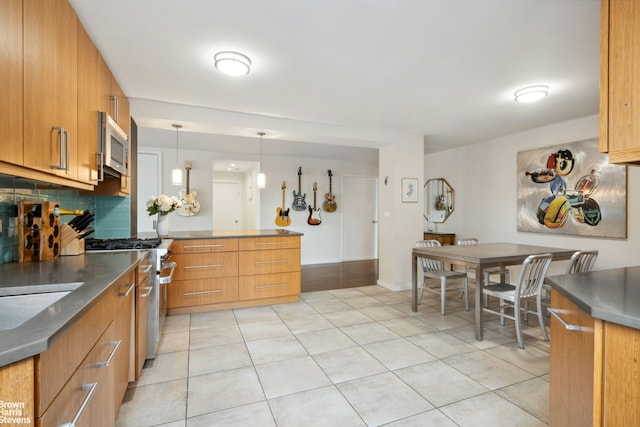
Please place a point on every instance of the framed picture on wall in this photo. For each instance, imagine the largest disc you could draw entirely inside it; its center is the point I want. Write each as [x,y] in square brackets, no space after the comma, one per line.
[410,190]
[571,189]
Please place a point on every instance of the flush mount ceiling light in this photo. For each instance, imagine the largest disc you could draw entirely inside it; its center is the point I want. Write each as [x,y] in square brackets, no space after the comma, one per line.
[262,179]
[232,63]
[531,93]
[176,172]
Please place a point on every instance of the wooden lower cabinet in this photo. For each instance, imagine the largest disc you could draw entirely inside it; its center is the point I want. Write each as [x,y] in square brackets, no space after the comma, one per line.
[124,290]
[443,238]
[88,395]
[594,372]
[17,380]
[222,273]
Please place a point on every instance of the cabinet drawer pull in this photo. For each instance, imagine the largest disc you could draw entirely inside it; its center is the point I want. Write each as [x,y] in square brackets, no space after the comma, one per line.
[271,243]
[190,267]
[147,268]
[279,285]
[107,362]
[556,313]
[126,294]
[148,289]
[202,246]
[216,291]
[92,389]
[282,261]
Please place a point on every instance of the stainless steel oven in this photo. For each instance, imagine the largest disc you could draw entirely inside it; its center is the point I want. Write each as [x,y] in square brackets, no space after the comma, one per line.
[160,275]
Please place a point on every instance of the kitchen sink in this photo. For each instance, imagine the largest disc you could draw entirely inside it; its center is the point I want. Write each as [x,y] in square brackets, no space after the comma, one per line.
[17,309]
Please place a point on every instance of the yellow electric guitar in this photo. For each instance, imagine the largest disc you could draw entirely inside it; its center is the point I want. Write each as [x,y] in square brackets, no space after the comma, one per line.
[283,219]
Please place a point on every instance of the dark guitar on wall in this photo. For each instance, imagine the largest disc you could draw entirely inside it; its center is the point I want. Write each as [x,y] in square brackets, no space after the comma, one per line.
[330,204]
[314,214]
[283,219]
[299,203]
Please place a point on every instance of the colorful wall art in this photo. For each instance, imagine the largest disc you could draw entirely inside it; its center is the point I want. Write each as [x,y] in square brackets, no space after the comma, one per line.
[571,189]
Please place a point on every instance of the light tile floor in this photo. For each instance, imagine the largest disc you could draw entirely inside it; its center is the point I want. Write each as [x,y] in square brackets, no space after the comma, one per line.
[347,357]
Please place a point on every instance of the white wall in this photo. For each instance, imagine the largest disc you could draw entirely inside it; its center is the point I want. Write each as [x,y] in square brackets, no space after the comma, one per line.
[484,178]
[320,244]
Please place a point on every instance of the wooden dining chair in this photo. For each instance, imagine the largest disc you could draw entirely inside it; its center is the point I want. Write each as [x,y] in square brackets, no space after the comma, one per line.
[432,269]
[528,287]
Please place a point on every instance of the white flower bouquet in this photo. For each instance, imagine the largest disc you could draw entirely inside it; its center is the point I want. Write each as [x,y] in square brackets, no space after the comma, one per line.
[162,204]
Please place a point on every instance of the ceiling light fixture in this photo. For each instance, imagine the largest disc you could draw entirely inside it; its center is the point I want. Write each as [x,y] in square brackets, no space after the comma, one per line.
[232,63]
[176,173]
[262,179]
[531,93]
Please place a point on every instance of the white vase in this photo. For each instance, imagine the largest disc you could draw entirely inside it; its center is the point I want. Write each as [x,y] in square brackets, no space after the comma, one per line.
[163,225]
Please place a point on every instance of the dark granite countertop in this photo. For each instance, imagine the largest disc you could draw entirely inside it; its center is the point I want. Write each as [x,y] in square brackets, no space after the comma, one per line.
[611,295]
[87,276]
[230,234]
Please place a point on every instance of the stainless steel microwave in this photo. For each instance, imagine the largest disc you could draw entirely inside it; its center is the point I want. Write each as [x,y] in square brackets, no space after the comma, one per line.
[113,147]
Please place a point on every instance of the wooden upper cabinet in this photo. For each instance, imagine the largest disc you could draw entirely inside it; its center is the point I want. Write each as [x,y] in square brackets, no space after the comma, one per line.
[112,98]
[50,87]
[11,113]
[620,81]
[88,97]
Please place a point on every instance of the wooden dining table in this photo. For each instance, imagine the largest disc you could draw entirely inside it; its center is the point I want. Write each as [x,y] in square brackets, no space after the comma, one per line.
[479,257]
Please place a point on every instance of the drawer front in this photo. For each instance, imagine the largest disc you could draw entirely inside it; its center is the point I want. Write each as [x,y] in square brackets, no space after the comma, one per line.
[269,243]
[203,291]
[204,245]
[144,269]
[205,266]
[265,262]
[269,285]
[78,390]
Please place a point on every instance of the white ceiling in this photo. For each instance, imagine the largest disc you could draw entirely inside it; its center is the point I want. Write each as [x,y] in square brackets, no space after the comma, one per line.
[358,73]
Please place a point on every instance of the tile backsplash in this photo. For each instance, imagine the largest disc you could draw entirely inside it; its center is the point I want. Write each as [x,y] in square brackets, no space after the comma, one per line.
[112,213]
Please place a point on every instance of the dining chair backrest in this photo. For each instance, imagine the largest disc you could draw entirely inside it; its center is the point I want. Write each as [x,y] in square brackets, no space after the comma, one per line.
[429,264]
[470,241]
[532,274]
[582,262]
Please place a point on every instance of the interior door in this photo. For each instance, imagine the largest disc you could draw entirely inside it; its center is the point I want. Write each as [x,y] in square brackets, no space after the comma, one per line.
[360,218]
[150,163]
[227,205]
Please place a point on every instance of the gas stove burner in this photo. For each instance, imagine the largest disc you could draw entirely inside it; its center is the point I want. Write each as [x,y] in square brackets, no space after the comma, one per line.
[121,244]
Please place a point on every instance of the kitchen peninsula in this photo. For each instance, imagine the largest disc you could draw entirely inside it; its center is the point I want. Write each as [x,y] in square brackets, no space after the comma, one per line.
[595,348]
[231,269]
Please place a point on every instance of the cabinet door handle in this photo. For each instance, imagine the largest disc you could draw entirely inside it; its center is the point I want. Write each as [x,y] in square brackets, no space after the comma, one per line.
[126,294]
[202,246]
[190,267]
[279,285]
[107,362]
[283,261]
[556,313]
[67,135]
[92,389]
[61,138]
[271,243]
[216,291]
[115,107]
[148,289]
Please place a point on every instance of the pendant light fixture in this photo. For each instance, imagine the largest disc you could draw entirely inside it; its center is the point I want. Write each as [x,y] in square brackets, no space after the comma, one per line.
[176,173]
[262,179]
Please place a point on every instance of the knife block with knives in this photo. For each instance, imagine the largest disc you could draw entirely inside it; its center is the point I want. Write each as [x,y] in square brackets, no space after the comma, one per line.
[74,232]
[38,231]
